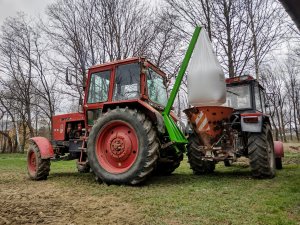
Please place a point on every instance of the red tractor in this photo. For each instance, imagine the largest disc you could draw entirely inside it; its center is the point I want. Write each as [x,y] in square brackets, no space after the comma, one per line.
[120,134]
[242,129]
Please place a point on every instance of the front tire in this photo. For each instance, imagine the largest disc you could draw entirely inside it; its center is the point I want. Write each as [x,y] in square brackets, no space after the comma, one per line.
[38,168]
[123,147]
[261,153]
[196,158]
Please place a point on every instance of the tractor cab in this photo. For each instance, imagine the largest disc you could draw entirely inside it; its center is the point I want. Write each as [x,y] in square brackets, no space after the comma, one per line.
[245,94]
[124,82]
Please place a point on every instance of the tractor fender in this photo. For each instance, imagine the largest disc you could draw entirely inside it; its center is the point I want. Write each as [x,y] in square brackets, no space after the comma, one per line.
[44,146]
[146,108]
[278,149]
[251,122]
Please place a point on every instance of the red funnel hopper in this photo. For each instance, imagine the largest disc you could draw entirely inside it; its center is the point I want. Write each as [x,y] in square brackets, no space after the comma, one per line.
[207,121]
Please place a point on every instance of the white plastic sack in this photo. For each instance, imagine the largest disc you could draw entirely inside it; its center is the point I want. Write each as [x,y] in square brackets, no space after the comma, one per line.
[206,80]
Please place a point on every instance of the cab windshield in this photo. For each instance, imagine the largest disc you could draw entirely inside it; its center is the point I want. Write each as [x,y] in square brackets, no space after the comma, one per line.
[238,97]
[127,82]
[156,89]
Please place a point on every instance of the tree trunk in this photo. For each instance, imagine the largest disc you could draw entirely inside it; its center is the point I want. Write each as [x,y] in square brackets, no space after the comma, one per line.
[9,147]
[295,121]
[229,40]
[28,121]
[275,128]
[24,134]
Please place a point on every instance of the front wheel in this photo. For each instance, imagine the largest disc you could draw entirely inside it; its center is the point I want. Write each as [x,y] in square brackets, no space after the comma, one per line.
[38,168]
[123,147]
[261,153]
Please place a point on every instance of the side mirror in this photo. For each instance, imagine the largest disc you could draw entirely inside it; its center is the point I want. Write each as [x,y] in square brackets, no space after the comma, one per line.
[68,78]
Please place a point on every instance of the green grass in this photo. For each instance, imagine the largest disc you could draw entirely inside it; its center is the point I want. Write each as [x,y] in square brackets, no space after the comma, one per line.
[229,196]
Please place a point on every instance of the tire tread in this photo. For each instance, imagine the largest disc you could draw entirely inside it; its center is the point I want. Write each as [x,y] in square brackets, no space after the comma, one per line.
[43,165]
[258,155]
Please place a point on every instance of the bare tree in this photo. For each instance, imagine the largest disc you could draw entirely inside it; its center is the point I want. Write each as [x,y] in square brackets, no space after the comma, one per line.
[292,84]
[67,30]
[125,28]
[194,13]
[27,81]
[16,48]
[164,50]
[87,32]
[273,83]
[265,19]
[13,113]
[243,31]
[44,85]
[227,31]
[6,144]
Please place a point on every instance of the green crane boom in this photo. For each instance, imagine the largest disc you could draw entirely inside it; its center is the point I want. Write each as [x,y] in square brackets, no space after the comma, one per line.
[174,132]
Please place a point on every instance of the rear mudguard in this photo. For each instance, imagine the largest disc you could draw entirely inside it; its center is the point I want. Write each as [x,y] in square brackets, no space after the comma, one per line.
[44,146]
[252,127]
[278,148]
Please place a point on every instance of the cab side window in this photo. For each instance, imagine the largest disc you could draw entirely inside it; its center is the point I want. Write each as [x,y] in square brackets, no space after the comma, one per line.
[258,101]
[99,87]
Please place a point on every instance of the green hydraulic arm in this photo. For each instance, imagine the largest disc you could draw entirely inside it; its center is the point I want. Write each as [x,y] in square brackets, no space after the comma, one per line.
[175,133]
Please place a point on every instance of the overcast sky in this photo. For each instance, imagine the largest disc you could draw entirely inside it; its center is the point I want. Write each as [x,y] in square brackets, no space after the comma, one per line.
[30,7]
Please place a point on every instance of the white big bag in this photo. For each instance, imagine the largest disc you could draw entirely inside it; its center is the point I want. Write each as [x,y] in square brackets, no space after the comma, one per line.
[205,79]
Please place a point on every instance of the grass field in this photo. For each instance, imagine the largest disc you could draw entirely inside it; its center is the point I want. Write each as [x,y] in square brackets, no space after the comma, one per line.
[229,196]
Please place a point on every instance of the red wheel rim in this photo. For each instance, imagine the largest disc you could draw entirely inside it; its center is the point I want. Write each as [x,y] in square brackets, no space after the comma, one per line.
[117,147]
[31,161]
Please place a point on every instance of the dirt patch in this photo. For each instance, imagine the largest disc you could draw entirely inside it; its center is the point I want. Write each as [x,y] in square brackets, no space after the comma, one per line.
[28,202]
[294,149]
[291,160]
[291,147]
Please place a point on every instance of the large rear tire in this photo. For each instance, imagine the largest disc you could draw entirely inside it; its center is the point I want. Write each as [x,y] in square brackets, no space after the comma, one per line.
[38,168]
[123,147]
[261,153]
[196,158]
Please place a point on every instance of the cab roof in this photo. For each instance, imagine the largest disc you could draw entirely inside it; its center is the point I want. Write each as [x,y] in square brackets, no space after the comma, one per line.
[239,79]
[121,61]
[127,61]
